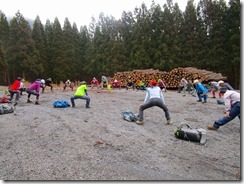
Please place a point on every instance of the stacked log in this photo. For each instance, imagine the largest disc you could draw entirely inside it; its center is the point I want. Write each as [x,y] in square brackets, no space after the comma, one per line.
[171,79]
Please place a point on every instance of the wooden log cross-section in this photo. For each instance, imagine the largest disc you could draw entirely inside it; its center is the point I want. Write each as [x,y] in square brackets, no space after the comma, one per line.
[171,78]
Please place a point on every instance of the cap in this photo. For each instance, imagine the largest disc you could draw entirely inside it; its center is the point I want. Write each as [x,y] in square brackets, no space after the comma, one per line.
[196,81]
[83,82]
[153,83]
[221,82]
[18,78]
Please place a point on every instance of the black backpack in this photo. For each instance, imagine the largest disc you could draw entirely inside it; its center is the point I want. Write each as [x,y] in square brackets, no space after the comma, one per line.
[185,132]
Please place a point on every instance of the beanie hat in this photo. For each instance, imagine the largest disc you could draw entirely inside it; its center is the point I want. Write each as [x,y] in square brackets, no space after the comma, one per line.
[221,82]
[195,81]
[153,83]
[222,90]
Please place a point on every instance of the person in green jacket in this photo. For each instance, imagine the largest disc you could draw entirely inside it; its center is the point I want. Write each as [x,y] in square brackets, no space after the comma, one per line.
[81,93]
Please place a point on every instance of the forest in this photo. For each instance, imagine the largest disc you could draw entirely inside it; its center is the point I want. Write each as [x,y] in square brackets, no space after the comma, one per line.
[205,35]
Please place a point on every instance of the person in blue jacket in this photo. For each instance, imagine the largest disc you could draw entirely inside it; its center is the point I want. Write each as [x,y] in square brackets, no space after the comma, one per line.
[201,91]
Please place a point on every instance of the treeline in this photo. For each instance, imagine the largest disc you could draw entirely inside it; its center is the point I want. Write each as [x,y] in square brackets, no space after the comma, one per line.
[205,36]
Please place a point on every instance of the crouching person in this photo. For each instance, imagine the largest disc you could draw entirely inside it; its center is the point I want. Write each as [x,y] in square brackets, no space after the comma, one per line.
[81,93]
[34,89]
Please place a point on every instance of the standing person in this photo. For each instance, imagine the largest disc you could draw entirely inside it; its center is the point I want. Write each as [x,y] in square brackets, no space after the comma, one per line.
[201,91]
[154,97]
[68,83]
[48,82]
[232,108]
[214,87]
[81,93]
[15,89]
[34,89]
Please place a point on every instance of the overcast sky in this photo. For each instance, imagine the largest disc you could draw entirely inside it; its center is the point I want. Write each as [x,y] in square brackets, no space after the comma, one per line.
[78,11]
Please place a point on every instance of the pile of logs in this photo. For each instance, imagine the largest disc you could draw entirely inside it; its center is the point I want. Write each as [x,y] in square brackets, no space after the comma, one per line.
[171,79]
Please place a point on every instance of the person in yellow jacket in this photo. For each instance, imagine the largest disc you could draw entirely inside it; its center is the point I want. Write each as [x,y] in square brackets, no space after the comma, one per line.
[81,93]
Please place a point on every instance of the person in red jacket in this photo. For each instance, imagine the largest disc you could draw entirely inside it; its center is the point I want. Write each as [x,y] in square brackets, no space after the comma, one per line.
[15,89]
[94,82]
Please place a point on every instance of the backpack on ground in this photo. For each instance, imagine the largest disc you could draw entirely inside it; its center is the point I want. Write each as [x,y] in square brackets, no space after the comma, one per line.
[185,132]
[129,116]
[6,109]
[60,104]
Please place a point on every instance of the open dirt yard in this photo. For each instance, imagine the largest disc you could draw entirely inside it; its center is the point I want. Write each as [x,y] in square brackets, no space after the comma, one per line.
[40,142]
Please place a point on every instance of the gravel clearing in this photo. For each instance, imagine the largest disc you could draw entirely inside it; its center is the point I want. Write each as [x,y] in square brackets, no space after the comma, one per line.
[40,142]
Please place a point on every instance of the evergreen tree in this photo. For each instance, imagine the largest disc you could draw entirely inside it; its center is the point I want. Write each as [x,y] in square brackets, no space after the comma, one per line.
[4,38]
[39,38]
[49,36]
[58,61]
[141,39]
[190,28]
[232,68]
[22,56]
[3,65]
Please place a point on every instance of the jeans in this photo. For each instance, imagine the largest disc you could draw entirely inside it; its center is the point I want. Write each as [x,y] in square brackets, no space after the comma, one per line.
[87,98]
[154,102]
[202,95]
[235,111]
[32,92]
[12,92]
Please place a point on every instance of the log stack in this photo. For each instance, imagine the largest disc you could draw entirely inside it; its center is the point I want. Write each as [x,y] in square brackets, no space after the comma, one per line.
[171,79]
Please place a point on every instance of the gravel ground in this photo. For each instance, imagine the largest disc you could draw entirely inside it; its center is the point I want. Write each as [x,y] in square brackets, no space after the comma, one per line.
[39,142]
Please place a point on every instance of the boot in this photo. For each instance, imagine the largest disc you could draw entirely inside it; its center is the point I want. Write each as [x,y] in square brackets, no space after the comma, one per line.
[37,103]
[28,101]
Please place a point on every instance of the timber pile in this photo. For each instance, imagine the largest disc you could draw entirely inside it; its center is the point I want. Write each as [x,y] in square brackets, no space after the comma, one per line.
[171,79]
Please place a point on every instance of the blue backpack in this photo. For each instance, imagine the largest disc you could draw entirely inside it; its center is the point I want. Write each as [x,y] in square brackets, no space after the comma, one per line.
[60,104]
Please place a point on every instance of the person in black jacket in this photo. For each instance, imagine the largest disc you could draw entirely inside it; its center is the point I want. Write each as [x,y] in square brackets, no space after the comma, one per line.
[48,82]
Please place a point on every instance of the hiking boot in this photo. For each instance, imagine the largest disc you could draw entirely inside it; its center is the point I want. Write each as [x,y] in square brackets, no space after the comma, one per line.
[169,122]
[139,123]
[199,100]
[28,101]
[37,103]
[211,127]
[213,97]
[204,102]
[88,107]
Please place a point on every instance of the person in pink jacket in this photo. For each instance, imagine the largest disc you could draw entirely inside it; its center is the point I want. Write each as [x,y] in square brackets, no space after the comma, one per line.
[34,89]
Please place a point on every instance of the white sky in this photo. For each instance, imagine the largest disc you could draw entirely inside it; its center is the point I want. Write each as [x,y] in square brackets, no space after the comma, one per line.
[78,11]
